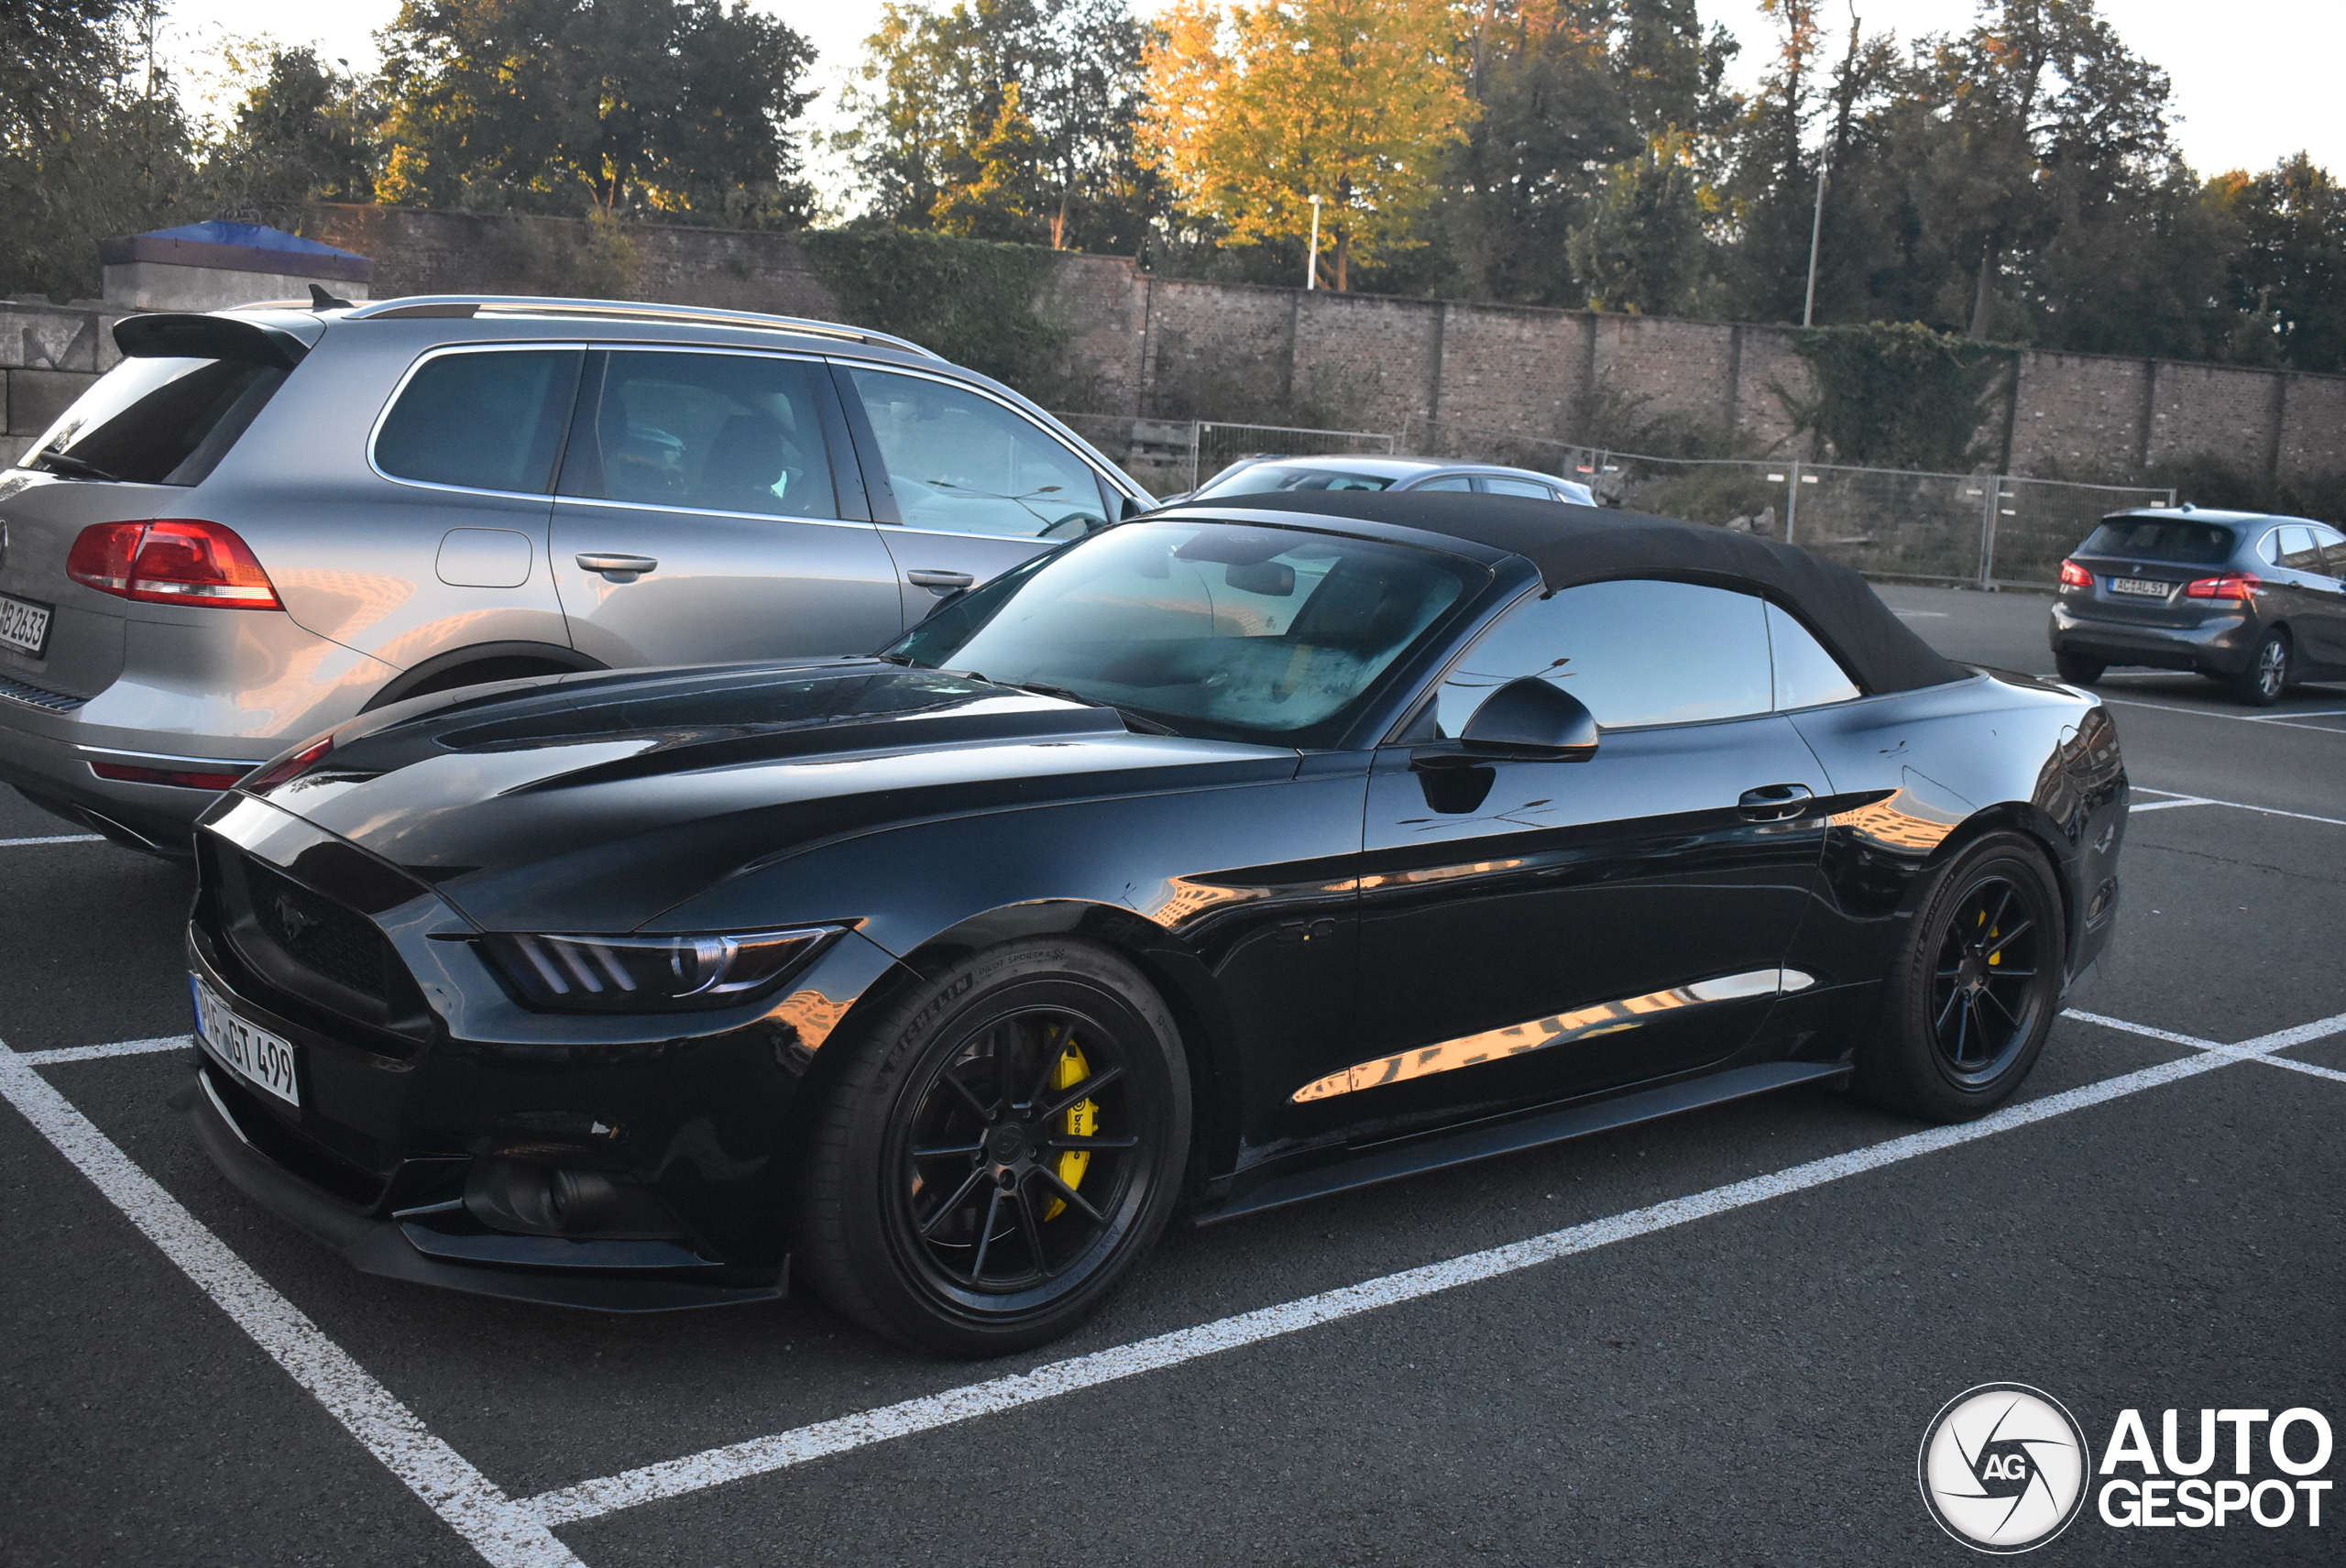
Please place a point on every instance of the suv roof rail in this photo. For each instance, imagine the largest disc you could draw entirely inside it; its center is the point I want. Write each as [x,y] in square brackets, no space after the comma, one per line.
[412,306]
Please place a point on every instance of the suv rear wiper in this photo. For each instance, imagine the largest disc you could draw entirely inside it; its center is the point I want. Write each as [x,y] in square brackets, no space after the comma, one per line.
[73,467]
[1132,721]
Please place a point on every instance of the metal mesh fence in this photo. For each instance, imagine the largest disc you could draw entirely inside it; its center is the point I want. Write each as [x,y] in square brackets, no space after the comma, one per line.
[1174,457]
[1891,522]
[1887,522]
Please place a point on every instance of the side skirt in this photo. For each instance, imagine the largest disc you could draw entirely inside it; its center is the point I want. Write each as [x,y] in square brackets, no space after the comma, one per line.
[1438,1150]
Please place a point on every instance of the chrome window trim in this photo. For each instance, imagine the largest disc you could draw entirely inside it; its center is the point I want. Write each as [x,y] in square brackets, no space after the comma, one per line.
[561,501]
[383,415]
[1116,478]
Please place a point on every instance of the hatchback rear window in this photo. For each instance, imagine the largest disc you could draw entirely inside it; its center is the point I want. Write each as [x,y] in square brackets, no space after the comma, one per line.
[1262,477]
[2161,539]
[485,420]
[160,421]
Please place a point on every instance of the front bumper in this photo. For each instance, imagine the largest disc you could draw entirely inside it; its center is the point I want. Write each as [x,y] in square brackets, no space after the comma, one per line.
[2220,646]
[408,1247]
[382,1160]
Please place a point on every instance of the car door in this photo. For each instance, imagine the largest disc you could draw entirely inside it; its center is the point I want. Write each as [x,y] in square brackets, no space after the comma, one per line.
[700,516]
[964,486]
[1531,931]
[2317,557]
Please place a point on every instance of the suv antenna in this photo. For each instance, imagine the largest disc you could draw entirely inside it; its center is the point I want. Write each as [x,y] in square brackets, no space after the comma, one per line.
[321,300]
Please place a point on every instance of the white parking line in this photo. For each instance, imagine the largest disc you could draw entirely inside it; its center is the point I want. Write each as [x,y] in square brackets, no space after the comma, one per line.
[763,1456]
[2287,722]
[96,1053]
[519,1532]
[476,1510]
[2235,804]
[59,838]
[2305,1066]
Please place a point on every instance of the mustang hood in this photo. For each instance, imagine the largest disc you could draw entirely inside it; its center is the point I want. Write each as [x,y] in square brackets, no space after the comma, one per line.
[593,802]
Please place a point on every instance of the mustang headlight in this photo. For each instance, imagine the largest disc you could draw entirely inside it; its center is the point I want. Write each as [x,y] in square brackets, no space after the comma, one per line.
[648,974]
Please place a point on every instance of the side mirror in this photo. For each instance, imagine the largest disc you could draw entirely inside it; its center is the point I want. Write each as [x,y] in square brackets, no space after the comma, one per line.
[1526,720]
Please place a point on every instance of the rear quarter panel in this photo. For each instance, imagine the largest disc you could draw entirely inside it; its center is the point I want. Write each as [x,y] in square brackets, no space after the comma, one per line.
[1917,775]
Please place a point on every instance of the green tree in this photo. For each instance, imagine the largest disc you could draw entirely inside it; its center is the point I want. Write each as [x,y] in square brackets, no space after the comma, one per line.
[304,132]
[1647,247]
[2289,274]
[939,90]
[674,108]
[93,143]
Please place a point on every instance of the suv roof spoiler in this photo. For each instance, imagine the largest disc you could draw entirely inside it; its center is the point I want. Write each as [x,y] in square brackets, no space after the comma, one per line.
[468,306]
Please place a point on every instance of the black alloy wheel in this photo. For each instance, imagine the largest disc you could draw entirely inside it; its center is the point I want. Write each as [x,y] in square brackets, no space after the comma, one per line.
[1004,1143]
[1966,1007]
[1984,995]
[2267,676]
[1011,1167]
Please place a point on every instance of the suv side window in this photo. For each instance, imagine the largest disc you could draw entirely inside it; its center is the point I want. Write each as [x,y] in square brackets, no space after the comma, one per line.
[483,419]
[1807,675]
[731,433]
[961,463]
[1637,652]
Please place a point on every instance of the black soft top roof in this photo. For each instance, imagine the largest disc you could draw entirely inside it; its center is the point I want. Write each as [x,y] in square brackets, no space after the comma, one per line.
[1573,544]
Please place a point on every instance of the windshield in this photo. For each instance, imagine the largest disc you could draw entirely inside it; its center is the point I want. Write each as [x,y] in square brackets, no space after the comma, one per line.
[1215,628]
[1256,478]
[2169,540]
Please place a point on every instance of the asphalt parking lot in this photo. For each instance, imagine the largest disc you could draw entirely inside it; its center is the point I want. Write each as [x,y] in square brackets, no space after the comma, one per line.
[1716,1339]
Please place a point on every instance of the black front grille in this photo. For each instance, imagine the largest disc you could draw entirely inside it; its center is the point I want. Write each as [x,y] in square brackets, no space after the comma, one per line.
[319,934]
[310,957]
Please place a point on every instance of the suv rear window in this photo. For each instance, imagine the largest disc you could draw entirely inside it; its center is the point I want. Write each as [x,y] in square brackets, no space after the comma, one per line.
[162,421]
[484,419]
[2161,539]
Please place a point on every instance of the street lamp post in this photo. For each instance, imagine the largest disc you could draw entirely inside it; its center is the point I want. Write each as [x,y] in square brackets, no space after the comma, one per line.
[1311,266]
[1815,233]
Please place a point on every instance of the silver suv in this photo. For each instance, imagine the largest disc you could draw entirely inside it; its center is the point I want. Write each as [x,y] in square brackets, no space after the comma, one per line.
[266,519]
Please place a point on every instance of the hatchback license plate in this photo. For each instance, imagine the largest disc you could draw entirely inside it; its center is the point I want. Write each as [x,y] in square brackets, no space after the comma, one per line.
[257,1057]
[2142,588]
[24,624]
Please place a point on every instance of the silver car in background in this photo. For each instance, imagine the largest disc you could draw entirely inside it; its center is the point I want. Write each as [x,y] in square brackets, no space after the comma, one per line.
[1269,472]
[266,521]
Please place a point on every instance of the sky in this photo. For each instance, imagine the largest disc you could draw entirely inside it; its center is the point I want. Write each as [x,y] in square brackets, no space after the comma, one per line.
[2249,87]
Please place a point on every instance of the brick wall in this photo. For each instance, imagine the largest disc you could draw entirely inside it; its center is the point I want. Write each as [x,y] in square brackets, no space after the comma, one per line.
[1180,349]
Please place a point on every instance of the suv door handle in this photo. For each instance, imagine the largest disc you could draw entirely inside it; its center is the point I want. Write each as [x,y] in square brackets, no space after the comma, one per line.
[941,581]
[1775,803]
[615,568]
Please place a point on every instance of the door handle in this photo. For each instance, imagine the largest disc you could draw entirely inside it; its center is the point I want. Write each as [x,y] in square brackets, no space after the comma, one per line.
[940,582]
[615,568]
[1775,803]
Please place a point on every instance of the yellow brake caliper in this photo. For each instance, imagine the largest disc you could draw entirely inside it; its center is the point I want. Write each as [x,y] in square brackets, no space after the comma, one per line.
[1082,1121]
[1993,931]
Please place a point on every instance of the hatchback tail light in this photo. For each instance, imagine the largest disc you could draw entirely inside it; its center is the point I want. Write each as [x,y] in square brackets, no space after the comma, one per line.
[2074,576]
[171,561]
[2238,586]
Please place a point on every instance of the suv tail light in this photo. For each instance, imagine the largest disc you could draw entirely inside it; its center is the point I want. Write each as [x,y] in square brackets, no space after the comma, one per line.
[2074,576]
[171,561]
[2239,585]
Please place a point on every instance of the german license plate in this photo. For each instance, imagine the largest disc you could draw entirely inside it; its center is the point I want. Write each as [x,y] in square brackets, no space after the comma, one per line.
[257,1057]
[2142,588]
[24,624]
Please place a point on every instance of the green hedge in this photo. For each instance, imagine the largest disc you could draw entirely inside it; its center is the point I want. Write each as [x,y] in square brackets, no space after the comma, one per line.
[1899,396]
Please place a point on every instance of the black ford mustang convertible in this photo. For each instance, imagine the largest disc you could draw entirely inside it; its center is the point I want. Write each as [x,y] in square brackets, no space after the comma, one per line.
[1228,857]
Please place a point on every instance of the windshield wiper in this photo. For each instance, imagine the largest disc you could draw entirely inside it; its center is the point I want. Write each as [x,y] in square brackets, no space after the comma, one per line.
[1141,722]
[73,467]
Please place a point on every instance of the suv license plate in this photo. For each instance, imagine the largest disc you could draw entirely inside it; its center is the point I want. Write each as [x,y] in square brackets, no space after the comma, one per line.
[257,1057]
[2142,588]
[24,624]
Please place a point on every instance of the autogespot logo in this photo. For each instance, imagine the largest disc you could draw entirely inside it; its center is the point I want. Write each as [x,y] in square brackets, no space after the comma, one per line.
[2004,1467]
